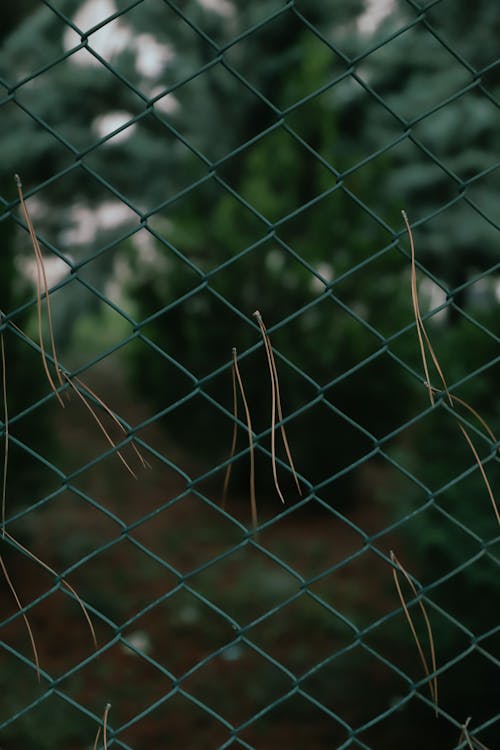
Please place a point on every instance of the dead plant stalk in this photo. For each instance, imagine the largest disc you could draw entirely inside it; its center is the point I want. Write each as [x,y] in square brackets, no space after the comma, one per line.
[41,282]
[238,379]
[424,340]
[276,410]
[433,687]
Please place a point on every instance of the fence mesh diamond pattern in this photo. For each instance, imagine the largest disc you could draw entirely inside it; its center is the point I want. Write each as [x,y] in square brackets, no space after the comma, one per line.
[160,234]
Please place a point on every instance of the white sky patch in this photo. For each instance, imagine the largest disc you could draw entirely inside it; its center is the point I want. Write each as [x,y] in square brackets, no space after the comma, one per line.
[375,12]
[106,124]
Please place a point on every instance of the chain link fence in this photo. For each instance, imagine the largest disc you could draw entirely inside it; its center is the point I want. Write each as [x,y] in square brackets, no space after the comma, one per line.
[160,237]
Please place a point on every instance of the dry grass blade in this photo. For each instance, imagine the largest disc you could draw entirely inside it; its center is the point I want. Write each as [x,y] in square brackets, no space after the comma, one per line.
[273,407]
[145,464]
[479,745]
[472,742]
[104,729]
[100,425]
[432,681]
[105,725]
[280,416]
[421,330]
[276,408]
[471,410]
[63,581]
[234,437]
[416,309]
[6,431]
[481,469]
[464,734]
[96,741]
[479,418]
[41,281]
[24,616]
[466,435]
[253,502]
[106,408]
[423,336]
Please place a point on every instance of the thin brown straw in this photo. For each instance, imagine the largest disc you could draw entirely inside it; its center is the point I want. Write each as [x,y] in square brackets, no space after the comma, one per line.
[105,724]
[63,581]
[96,741]
[253,502]
[145,464]
[432,682]
[421,330]
[106,408]
[472,742]
[100,424]
[280,413]
[276,408]
[481,469]
[475,414]
[422,335]
[41,276]
[234,437]
[24,616]
[273,410]
[416,309]
[464,734]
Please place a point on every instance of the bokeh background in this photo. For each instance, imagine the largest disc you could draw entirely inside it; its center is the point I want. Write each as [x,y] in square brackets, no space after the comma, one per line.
[184,164]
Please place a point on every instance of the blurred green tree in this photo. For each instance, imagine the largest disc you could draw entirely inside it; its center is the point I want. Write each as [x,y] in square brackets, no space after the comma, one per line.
[308,235]
[437,85]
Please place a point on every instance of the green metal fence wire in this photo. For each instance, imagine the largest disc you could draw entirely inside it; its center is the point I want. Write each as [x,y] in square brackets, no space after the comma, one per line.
[360,637]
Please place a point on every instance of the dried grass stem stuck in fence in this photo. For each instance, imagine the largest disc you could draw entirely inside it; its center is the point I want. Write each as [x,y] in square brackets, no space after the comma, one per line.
[227,475]
[110,413]
[42,290]
[424,340]
[104,729]
[472,742]
[236,378]
[80,392]
[433,686]
[23,615]
[63,581]
[100,424]
[276,410]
